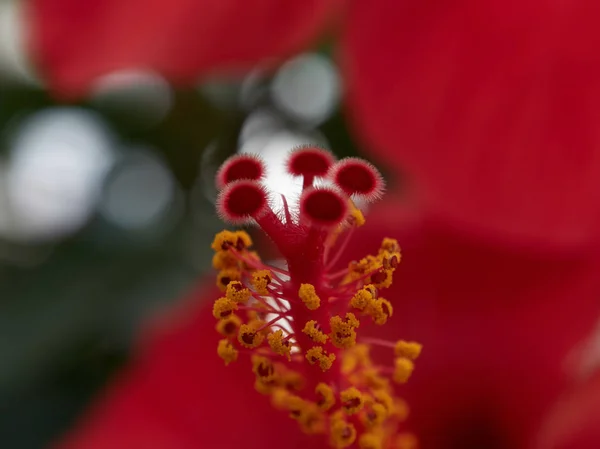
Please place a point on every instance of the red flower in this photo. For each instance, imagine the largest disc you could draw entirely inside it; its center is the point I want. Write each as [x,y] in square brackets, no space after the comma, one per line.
[493,322]
[492,109]
[491,106]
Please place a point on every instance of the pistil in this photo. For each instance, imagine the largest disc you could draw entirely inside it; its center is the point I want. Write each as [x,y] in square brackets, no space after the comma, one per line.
[301,325]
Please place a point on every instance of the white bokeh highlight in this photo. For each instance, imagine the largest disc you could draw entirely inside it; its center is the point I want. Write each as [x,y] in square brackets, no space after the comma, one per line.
[265,134]
[307,88]
[275,150]
[58,161]
[141,193]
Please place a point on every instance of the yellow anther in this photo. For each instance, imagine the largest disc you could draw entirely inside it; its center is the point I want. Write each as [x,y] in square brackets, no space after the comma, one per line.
[309,296]
[226,276]
[349,363]
[260,325]
[352,400]
[265,388]
[356,217]
[374,416]
[352,320]
[250,336]
[225,240]
[362,353]
[373,290]
[280,398]
[370,441]
[342,433]
[403,368]
[406,441]
[226,351]
[292,380]
[307,414]
[317,355]
[313,330]
[295,405]
[311,419]
[390,260]
[374,380]
[278,344]
[236,292]
[364,265]
[384,398]
[390,245]
[383,278]
[363,298]
[224,308]
[223,260]
[260,280]
[386,307]
[243,240]
[344,339]
[229,326]
[343,334]
[354,357]
[409,349]
[263,368]
[326,398]
[380,310]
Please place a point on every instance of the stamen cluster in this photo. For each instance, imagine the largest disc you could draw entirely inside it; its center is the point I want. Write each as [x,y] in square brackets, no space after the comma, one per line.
[299,324]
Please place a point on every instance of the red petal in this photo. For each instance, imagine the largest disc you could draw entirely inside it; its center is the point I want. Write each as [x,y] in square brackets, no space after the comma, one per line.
[75,42]
[493,107]
[573,424]
[179,395]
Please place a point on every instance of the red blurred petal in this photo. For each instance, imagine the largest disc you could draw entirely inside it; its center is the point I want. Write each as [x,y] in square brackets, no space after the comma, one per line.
[573,424]
[179,395]
[74,42]
[493,106]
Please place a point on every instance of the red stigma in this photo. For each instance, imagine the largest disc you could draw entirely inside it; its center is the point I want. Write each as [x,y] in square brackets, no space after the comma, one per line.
[324,207]
[358,177]
[241,200]
[310,161]
[243,166]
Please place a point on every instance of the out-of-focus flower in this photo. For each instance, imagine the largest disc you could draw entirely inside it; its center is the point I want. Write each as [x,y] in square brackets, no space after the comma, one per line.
[491,106]
[74,44]
[493,323]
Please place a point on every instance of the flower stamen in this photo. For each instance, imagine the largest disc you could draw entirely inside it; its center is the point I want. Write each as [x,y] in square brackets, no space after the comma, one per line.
[300,323]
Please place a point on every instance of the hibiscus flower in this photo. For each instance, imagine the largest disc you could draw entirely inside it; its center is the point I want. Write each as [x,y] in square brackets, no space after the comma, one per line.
[493,323]
[490,106]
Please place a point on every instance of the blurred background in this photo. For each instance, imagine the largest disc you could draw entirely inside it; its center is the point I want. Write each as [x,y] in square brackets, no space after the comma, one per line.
[106,211]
